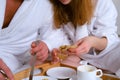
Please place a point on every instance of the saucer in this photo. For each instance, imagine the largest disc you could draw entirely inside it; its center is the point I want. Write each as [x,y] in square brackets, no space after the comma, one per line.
[61,72]
[99,78]
[40,78]
[96,79]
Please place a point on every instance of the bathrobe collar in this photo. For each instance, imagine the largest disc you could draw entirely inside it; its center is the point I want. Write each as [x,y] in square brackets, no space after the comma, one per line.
[23,9]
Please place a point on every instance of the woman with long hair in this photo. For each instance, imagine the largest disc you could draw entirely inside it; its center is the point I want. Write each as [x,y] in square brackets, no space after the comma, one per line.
[89,24]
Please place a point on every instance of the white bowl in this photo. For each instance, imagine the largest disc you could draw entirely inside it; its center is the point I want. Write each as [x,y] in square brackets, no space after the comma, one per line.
[61,72]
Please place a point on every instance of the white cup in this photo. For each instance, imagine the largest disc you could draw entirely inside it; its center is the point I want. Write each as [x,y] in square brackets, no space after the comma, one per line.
[88,72]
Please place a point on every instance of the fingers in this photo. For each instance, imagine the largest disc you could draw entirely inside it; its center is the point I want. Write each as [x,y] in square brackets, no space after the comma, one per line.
[81,49]
[76,50]
[55,51]
[42,56]
[79,42]
[1,77]
[6,70]
[39,47]
[36,48]
[55,58]
[33,45]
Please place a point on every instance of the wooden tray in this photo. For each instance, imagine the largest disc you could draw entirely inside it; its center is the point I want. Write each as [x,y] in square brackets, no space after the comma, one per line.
[46,66]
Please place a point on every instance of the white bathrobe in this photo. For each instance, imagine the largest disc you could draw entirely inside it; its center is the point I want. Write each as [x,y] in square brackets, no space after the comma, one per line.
[102,24]
[16,39]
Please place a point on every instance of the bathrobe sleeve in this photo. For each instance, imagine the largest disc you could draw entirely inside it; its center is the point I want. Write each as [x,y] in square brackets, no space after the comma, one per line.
[105,23]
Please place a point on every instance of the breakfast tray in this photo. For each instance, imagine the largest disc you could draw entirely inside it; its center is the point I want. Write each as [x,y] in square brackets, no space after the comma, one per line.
[44,67]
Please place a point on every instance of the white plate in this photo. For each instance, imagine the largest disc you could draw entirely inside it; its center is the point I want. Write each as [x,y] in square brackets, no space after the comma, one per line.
[61,72]
[40,78]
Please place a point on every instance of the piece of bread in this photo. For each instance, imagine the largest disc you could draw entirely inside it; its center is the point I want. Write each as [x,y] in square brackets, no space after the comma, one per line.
[63,51]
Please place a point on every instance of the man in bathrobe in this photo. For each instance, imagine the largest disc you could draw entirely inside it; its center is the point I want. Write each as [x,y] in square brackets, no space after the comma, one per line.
[19,22]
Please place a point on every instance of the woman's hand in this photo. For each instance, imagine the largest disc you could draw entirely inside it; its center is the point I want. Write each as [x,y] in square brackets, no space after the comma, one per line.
[85,44]
[6,70]
[40,49]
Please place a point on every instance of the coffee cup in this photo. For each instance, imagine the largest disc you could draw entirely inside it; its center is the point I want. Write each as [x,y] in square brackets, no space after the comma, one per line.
[88,72]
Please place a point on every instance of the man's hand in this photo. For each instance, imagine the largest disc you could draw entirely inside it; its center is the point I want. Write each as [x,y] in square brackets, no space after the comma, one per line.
[39,49]
[55,58]
[6,70]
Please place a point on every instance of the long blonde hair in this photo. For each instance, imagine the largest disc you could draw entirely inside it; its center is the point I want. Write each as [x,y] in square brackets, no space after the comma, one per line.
[78,12]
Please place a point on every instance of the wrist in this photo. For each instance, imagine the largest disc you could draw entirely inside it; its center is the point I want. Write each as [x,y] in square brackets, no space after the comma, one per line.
[99,43]
[93,41]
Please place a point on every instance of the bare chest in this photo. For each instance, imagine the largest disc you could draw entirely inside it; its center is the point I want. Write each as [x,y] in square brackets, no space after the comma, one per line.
[11,9]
